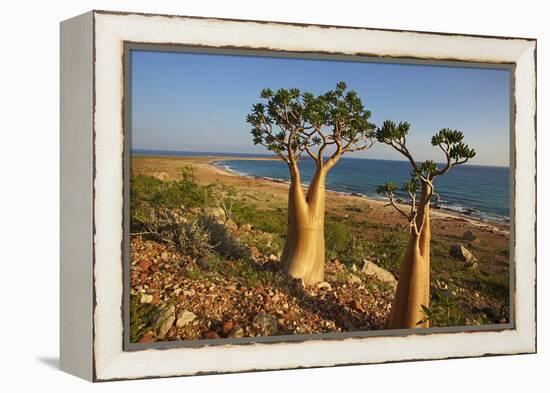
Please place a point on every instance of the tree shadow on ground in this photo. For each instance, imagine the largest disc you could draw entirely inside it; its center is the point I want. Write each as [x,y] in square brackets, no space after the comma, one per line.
[329,307]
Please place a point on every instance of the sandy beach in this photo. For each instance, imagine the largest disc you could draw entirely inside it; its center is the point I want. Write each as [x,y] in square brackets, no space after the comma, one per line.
[273,194]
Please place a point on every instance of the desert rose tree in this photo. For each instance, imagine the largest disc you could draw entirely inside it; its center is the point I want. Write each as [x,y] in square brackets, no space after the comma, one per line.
[412,295]
[290,123]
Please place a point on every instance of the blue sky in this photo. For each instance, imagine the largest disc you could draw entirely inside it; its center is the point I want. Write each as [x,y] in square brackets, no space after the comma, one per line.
[199,102]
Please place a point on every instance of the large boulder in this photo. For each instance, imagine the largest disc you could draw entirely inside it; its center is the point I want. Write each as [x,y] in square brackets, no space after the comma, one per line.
[460,252]
[381,274]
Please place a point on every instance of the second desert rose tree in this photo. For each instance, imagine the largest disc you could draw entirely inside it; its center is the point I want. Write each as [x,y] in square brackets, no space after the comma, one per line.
[290,123]
[412,296]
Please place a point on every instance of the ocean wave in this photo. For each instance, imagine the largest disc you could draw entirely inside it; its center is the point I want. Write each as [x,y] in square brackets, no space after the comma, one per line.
[228,168]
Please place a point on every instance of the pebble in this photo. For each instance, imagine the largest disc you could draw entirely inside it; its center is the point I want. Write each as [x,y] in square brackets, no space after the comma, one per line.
[227,327]
[324,285]
[146,298]
[236,332]
[185,317]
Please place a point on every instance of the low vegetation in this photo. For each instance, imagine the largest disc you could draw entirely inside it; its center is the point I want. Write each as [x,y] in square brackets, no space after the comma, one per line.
[221,241]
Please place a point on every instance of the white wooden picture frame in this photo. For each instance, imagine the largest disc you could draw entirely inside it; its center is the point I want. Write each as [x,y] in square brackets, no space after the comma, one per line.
[93,192]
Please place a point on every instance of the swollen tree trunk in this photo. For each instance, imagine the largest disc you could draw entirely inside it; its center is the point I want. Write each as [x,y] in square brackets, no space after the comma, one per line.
[304,251]
[425,235]
[413,287]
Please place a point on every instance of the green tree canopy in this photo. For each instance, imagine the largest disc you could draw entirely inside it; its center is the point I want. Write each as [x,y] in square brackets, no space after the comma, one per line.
[290,122]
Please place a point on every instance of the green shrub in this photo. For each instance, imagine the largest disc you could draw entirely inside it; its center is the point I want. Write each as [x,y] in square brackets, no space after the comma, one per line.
[444,311]
[142,317]
[337,237]
[242,270]
[342,242]
[266,243]
[185,191]
[265,220]
[495,285]
[388,249]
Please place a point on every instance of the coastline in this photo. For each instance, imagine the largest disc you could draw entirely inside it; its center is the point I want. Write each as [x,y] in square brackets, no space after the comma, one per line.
[209,169]
[437,211]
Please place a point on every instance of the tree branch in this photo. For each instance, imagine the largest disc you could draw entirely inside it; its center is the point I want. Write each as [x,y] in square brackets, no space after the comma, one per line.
[392,203]
[310,153]
[448,165]
[366,146]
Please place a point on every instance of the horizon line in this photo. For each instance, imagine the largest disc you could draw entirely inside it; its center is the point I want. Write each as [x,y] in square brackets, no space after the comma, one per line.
[275,156]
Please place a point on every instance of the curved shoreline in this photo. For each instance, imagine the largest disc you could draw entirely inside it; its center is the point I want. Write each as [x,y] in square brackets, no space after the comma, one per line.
[436,208]
[170,168]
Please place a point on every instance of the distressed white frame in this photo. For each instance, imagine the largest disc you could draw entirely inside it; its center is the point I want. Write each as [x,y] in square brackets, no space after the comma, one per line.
[111,30]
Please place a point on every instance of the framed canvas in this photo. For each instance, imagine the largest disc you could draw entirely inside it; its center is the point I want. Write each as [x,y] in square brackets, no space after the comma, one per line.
[246,195]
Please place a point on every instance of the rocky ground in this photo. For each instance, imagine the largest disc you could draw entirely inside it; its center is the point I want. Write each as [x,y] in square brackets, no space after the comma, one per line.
[181,298]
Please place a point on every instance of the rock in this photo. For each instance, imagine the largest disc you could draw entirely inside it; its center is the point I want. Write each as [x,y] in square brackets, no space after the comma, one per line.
[381,274]
[353,268]
[266,323]
[164,256]
[161,175]
[324,285]
[469,236]
[471,265]
[246,227]
[273,258]
[227,327]
[460,252]
[145,265]
[441,284]
[165,320]
[236,332]
[147,338]
[217,213]
[185,317]
[353,279]
[146,298]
